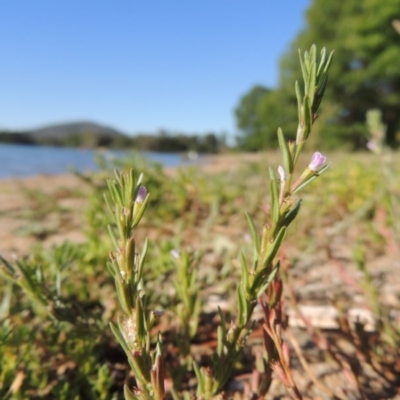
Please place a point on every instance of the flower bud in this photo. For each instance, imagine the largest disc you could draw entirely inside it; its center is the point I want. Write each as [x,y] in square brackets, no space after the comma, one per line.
[141,195]
[282,173]
[317,161]
[175,254]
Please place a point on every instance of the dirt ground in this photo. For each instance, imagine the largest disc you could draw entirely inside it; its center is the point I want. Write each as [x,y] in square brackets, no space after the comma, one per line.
[54,206]
[21,198]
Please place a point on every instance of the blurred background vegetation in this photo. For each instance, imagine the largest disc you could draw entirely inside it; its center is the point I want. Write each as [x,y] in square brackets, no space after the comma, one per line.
[365,74]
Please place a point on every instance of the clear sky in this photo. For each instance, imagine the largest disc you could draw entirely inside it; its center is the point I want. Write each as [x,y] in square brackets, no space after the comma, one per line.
[139,66]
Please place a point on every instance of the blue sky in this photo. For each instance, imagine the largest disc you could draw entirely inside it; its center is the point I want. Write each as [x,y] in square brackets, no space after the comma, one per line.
[139,66]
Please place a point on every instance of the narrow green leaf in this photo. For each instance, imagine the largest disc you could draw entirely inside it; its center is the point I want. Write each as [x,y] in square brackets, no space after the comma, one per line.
[26,281]
[9,267]
[273,248]
[243,266]
[243,306]
[272,174]
[305,183]
[222,319]
[254,234]
[321,61]
[286,156]
[117,175]
[8,277]
[5,307]
[291,215]
[120,338]
[111,268]
[142,209]
[299,99]
[274,200]
[312,74]
[116,193]
[120,222]
[200,378]
[328,63]
[141,325]
[139,180]
[323,169]
[130,255]
[113,237]
[264,287]
[110,208]
[218,365]
[220,339]
[322,82]
[133,183]
[123,293]
[308,120]
[303,68]
[307,63]
[142,259]
[311,178]
[128,394]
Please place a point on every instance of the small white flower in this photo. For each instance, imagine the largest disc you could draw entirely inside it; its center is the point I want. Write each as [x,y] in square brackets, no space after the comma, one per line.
[175,253]
[282,173]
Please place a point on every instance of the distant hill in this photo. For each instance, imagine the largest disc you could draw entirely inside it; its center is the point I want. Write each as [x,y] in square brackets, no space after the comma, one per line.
[86,134]
[92,135]
[66,129]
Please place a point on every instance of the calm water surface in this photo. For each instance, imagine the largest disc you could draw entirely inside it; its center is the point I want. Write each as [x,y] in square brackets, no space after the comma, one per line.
[21,160]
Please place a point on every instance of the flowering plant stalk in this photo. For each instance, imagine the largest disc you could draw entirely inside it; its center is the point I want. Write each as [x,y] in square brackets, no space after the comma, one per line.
[256,277]
[129,201]
[187,313]
[187,292]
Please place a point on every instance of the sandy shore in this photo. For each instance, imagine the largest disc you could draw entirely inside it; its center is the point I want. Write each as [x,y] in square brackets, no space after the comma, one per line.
[50,208]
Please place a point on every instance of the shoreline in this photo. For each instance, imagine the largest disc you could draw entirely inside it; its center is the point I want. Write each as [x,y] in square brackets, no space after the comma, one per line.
[208,163]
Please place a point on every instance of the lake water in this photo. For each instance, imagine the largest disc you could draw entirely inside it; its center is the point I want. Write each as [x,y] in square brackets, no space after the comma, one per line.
[22,161]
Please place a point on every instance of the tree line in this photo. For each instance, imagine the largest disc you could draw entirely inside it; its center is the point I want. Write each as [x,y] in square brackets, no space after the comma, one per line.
[162,142]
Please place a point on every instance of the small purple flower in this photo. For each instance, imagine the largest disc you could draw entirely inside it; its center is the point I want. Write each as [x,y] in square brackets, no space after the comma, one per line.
[247,237]
[282,173]
[158,313]
[373,146]
[317,161]
[141,195]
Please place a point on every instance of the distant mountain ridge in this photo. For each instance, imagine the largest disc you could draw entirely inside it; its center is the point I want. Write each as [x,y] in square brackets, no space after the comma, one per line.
[62,130]
[70,134]
[86,134]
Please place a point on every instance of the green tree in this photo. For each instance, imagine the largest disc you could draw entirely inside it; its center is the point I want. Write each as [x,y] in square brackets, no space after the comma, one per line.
[250,118]
[365,73]
[259,115]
